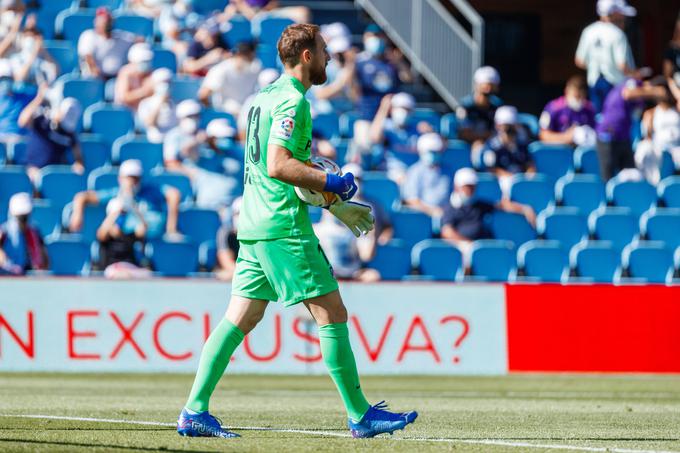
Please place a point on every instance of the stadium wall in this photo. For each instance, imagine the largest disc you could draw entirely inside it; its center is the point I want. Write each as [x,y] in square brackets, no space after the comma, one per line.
[87,325]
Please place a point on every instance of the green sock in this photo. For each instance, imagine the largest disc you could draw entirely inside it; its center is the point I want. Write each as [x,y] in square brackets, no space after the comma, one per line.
[339,359]
[216,354]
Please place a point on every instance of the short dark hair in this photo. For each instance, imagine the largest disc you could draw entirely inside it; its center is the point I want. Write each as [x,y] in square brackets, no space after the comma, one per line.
[577,82]
[294,39]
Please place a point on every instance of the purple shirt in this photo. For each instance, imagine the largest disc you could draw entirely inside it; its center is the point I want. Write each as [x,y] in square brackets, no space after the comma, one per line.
[257,3]
[557,116]
[617,114]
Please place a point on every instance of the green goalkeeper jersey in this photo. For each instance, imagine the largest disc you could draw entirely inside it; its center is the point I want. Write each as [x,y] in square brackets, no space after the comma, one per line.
[279,115]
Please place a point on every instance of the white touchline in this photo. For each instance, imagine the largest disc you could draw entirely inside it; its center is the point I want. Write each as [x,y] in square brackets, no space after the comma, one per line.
[500,442]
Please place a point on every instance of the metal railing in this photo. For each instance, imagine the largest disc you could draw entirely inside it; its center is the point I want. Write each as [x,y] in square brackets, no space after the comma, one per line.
[437,45]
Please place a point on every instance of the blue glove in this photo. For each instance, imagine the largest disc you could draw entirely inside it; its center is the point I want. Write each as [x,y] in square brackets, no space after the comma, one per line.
[343,185]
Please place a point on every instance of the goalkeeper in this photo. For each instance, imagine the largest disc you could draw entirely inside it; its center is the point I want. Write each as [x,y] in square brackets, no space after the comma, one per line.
[280,258]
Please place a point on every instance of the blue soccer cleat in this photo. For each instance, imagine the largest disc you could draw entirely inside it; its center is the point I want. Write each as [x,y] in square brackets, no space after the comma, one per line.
[378,420]
[201,425]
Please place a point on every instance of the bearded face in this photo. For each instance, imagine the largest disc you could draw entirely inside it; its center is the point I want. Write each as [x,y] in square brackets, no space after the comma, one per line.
[317,65]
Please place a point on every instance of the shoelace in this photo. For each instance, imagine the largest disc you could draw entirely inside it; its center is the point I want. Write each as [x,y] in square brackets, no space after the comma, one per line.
[381,406]
[219,422]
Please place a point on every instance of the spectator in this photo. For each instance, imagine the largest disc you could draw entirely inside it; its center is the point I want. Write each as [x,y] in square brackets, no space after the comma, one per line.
[383,226]
[229,83]
[21,246]
[103,50]
[264,78]
[259,9]
[671,62]
[52,132]
[392,127]
[428,186]
[13,99]
[603,50]
[157,112]
[134,81]
[206,50]
[614,149]
[227,244]
[32,65]
[476,112]
[11,15]
[569,119]
[464,222]
[340,73]
[175,20]
[148,8]
[158,207]
[507,152]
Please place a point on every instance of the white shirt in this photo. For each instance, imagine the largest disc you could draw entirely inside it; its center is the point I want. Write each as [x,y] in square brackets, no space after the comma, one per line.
[603,48]
[665,128]
[109,54]
[232,81]
[165,121]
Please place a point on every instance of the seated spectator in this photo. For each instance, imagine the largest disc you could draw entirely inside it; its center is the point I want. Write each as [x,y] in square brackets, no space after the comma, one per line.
[31,64]
[392,127]
[507,153]
[264,78]
[229,83]
[569,119]
[463,221]
[227,244]
[476,112]
[21,247]
[103,50]
[14,98]
[11,15]
[671,63]
[134,81]
[159,207]
[51,133]
[259,9]
[147,8]
[339,72]
[206,50]
[220,144]
[157,112]
[428,186]
[383,225]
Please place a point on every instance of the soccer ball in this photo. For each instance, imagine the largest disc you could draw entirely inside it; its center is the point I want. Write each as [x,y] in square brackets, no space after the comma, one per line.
[320,199]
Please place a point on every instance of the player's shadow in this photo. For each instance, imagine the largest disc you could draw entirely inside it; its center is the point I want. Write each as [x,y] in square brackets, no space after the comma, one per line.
[94,445]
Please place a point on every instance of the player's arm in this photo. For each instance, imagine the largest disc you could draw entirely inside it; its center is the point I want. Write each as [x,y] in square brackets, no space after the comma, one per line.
[283,166]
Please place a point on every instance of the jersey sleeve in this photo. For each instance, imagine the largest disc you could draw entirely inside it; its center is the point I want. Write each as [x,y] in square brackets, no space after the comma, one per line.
[289,119]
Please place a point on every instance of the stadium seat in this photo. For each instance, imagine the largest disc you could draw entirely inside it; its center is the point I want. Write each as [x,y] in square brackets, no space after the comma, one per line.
[667,165]
[87,91]
[392,260]
[70,24]
[649,260]
[425,114]
[207,115]
[551,160]
[546,261]
[68,255]
[102,178]
[45,19]
[200,225]
[326,125]
[58,183]
[110,4]
[585,192]
[179,181]
[93,216]
[110,90]
[164,58]
[206,7]
[586,161]
[16,153]
[13,180]
[509,226]
[596,261]
[270,29]
[411,226]
[207,255]
[183,88]
[488,188]
[56,5]
[530,122]
[405,157]
[45,218]
[173,259]
[669,191]
[64,54]
[449,125]
[456,156]
[109,121]
[438,259]
[238,32]
[493,260]
[346,123]
[564,224]
[96,153]
[268,55]
[150,154]
[616,225]
[3,153]
[381,189]
[314,213]
[341,147]
[535,190]
[662,224]
[639,196]
[133,23]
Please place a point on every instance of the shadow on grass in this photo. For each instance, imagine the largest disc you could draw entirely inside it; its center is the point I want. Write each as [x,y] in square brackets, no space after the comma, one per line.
[94,445]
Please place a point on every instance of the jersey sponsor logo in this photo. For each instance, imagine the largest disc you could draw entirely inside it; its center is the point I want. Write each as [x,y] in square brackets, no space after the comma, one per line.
[285,128]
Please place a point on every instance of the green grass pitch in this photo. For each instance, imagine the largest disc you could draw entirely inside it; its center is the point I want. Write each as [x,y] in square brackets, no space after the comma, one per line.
[628,413]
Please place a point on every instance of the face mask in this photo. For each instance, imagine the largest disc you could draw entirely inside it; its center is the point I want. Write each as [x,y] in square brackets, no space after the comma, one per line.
[459,199]
[162,89]
[188,125]
[431,157]
[374,45]
[399,116]
[574,104]
[144,66]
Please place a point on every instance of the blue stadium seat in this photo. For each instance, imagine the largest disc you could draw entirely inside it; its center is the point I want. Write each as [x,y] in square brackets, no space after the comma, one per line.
[110,4]
[271,29]
[669,191]
[536,191]
[564,224]
[133,23]
[667,165]
[616,225]
[425,114]
[68,256]
[639,196]
[150,154]
[164,58]
[586,161]
[110,90]
[45,217]
[16,153]
[456,156]
[315,213]
[45,19]
[493,260]
[207,115]
[207,255]
[268,55]
[411,226]
[449,125]
[179,181]
[341,147]
[438,259]
[56,5]
[58,183]
[530,122]
[64,54]
[546,261]
[209,6]
[662,224]
[346,123]
[109,121]
[102,178]
[13,180]
[96,153]
[238,32]
[381,189]
[173,259]
[649,260]
[512,227]
[200,225]
[326,125]
[87,91]
[596,261]
[3,153]
[551,160]
[70,24]
[93,216]
[182,88]
[488,188]
[392,260]
[585,192]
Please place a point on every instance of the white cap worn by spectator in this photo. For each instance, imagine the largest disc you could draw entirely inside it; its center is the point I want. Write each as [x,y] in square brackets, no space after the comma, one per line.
[403,101]
[430,142]
[220,128]
[487,74]
[131,167]
[267,77]
[161,75]
[335,30]
[188,108]
[465,177]
[339,44]
[140,52]
[355,169]
[69,111]
[609,7]
[505,115]
[20,204]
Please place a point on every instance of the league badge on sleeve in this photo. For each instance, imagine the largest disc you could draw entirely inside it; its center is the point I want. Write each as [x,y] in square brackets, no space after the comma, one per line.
[285,128]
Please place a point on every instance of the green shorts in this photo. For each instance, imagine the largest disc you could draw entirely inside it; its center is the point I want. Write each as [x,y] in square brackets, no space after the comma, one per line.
[288,270]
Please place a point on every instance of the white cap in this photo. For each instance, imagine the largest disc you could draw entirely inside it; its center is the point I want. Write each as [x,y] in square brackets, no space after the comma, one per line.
[161,75]
[5,68]
[267,77]
[140,52]
[505,114]
[20,204]
[404,101]
[220,128]
[335,30]
[339,45]
[355,169]
[69,112]
[465,177]
[188,108]
[487,74]
[609,7]
[131,167]
[430,142]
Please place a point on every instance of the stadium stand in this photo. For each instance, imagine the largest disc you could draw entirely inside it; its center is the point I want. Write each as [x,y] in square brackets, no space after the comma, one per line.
[438,259]
[493,260]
